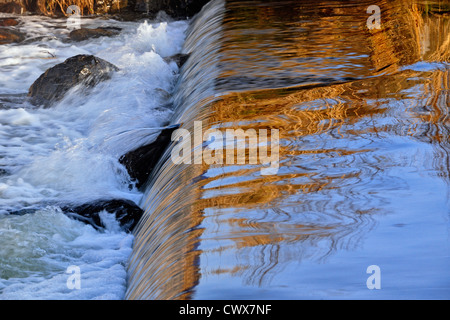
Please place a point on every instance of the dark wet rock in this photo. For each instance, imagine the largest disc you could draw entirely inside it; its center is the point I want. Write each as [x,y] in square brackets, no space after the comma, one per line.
[22,212]
[179,58]
[174,8]
[86,33]
[126,212]
[56,81]
[12,7]
[8,35]
[8,22]
[163,94]
[3,172]
[141,162]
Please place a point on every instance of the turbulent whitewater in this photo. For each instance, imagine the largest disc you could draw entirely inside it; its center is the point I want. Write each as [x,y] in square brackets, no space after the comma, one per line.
[69,153]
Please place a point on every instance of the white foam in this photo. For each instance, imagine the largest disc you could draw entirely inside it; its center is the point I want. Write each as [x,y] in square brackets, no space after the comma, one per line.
[72,149]
[37,249]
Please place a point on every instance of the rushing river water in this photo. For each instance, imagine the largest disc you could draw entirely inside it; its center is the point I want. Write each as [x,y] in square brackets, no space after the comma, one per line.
[69,153]
[363,166]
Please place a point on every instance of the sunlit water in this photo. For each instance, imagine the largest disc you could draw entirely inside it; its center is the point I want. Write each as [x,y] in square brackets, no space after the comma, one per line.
[69,153]
[363,118]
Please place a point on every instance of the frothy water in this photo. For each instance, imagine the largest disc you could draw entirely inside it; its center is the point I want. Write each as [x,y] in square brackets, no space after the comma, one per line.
[38,249]
[69,153]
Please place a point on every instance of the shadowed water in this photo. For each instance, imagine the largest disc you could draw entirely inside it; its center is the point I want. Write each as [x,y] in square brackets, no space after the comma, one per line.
[363,119]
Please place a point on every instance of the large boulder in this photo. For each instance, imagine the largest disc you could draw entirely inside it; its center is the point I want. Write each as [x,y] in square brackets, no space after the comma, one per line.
[8,35]
[52,85]
[141,161]
[174,8]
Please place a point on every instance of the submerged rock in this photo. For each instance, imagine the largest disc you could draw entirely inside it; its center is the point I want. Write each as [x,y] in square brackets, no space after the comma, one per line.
[179,58]
[8,22]
[141,161]
[8,35]
[58,80]
[126,212]
[86,33]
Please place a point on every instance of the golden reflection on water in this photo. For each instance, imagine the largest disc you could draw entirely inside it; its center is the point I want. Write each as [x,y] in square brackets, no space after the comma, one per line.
[340,95]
